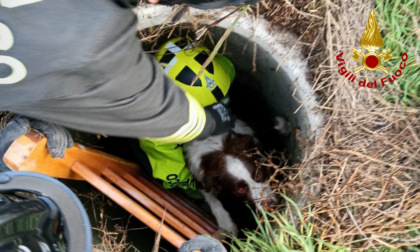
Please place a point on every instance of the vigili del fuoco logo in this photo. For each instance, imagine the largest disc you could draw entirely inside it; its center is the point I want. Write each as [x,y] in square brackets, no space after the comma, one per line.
[371,41]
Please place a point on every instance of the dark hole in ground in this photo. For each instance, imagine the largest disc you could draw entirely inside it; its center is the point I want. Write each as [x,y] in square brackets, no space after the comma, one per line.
[249,105]
[252,100]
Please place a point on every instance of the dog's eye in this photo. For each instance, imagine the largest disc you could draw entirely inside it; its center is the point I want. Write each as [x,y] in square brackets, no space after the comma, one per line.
[241,190]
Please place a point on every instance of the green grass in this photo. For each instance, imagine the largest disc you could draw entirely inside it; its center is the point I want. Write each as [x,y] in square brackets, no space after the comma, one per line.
[401,18]
[276,232]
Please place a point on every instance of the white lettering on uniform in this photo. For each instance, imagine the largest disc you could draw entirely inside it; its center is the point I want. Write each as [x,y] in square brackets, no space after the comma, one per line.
[19,71]
[6,38]
[16,3]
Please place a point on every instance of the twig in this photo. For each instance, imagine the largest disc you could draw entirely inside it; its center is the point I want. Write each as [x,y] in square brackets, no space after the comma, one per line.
[159,234]
[301,12]
[220,43]
[370,158]
[358,227]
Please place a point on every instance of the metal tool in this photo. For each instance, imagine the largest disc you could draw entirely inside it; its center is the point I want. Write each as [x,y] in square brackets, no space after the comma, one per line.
[39,213]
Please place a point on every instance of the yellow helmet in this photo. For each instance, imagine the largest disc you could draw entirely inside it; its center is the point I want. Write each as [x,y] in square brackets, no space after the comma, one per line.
[182,62]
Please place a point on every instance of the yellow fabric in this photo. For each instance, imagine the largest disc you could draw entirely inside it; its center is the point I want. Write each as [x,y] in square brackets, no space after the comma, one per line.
[168,164]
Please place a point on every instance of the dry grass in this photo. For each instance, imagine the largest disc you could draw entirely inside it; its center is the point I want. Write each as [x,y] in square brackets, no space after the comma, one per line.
[363,183]
[305,18]
[112,238]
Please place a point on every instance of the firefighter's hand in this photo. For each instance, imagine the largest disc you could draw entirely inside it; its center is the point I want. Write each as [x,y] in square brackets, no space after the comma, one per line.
[203,244]
[218,120]
[58,138]
[15,128]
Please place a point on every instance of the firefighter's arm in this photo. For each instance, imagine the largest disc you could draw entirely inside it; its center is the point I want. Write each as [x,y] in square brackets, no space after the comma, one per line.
[202,123]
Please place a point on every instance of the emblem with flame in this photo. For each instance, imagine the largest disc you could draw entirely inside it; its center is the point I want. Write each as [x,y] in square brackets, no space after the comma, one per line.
[371,41]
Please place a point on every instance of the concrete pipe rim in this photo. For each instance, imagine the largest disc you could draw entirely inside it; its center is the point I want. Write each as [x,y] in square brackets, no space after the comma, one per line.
[286,61]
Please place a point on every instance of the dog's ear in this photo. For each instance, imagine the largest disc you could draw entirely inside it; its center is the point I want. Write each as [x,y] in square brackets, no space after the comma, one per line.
[212,184]
[213,168]
[261,174]
[239,144]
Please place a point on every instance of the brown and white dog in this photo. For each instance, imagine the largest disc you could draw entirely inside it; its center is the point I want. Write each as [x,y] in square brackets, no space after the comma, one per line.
[223,166]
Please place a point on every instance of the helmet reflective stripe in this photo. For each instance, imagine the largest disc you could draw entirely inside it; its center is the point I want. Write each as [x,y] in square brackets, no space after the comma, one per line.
[170,65]
[190,46]
[173,48]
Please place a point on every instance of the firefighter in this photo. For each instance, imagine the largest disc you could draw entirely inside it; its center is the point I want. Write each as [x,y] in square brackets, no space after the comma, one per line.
[181,61]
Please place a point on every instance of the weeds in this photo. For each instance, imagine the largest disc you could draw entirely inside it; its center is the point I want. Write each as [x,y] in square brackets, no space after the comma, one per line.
[285,231]
[402,34]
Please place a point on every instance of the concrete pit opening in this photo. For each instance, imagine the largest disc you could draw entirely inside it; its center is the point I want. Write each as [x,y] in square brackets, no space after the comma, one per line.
[271,74]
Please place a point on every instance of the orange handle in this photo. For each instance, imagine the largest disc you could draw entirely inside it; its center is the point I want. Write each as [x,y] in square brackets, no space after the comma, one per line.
[149,203]
[176,209]
[128,204]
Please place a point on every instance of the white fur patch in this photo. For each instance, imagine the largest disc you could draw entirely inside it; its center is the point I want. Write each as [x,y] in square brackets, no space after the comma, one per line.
[282,126]
[238,170]
[242,128]
[195,150]
[222,216]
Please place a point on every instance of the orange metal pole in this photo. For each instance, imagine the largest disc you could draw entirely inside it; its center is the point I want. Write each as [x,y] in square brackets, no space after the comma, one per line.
[149,203]
[179,211]
[193,209]
[128,204]
[174,200]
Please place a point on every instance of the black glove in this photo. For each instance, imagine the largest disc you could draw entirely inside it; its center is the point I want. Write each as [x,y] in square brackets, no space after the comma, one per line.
[202,243]
[218,120]
[15,128]
[208,4]
[58,138]
[222,118]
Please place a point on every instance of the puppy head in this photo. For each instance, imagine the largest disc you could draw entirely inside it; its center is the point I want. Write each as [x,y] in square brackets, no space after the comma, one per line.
[235,171]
